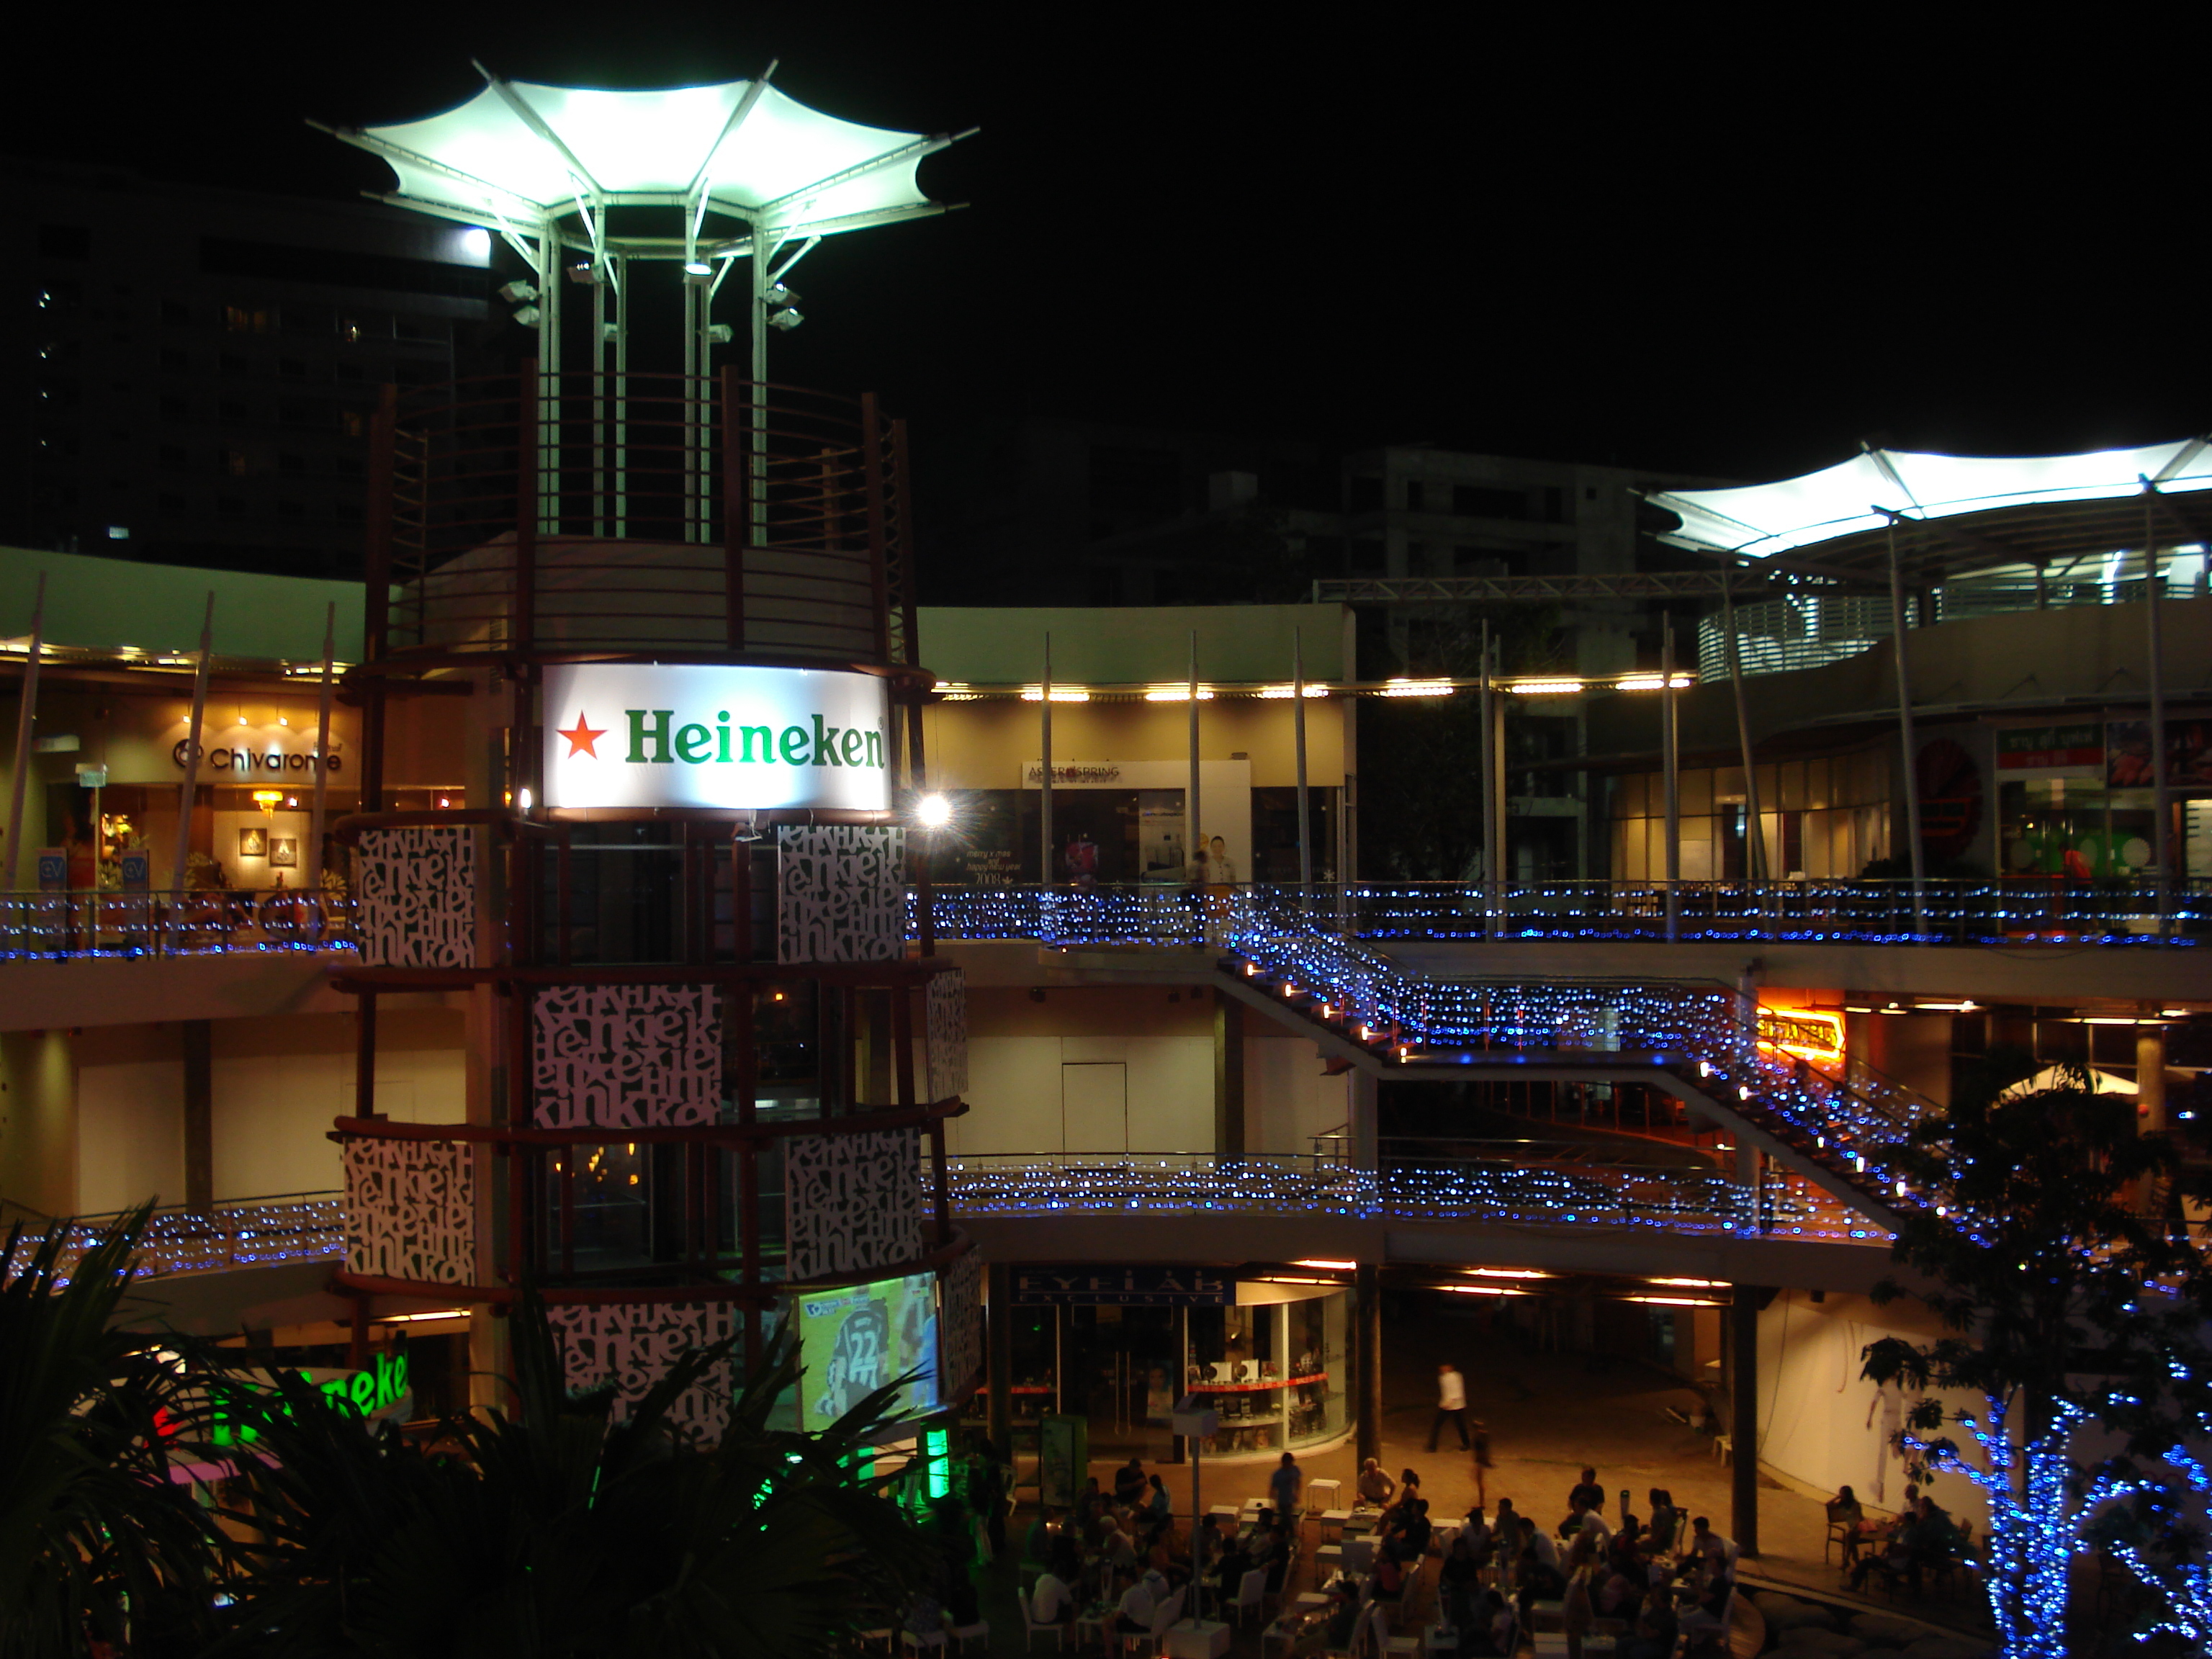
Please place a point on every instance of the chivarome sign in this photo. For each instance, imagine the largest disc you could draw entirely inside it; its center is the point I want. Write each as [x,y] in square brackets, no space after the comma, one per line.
[635,734]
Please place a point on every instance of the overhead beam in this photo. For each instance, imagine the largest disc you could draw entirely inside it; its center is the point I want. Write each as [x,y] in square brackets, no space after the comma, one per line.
[1667,585]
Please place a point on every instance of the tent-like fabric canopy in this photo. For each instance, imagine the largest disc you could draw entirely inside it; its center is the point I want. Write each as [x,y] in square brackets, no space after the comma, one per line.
[1982,512]
[519,153]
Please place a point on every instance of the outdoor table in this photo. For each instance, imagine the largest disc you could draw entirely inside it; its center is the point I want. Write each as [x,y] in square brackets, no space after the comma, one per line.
[1358,1554]
[1313,1599]
[1337,1518]
[1198,1638]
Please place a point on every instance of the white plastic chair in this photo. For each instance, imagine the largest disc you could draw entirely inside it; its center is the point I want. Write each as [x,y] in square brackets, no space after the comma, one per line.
[1251,1593]
[978,1631]
[1031,1628]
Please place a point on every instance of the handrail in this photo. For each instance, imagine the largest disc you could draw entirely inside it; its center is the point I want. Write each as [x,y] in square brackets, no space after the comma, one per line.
[175,922]
[217,1237]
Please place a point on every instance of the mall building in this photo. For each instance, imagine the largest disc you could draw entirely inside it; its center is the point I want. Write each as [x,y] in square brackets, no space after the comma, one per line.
[1206,1118]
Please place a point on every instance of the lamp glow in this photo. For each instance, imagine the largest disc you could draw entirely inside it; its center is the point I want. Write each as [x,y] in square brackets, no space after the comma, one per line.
[933,812]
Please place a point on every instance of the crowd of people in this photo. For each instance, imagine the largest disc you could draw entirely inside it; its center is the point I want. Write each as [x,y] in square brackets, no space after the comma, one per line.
[1922,1539]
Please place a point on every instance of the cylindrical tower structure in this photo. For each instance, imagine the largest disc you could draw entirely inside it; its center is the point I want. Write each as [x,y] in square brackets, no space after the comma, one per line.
[705,1065]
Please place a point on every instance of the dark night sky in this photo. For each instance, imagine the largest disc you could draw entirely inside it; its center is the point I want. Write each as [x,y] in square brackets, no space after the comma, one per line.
[1596,239]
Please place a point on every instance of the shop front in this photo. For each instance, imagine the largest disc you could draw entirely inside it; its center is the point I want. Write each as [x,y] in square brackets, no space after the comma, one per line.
[1120,1346]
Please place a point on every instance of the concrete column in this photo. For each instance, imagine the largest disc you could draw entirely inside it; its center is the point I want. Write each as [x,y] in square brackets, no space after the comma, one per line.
[199,1110]
[1367,1364]
[1228,1076]
[1366,1133]
[1743,1414]
[998,1356]
[2150,1079]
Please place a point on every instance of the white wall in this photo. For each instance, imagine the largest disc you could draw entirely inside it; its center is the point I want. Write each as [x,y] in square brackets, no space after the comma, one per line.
[278,1086]
[1014,1091]
[1288,1099]
[1814,1404]
[130,1135]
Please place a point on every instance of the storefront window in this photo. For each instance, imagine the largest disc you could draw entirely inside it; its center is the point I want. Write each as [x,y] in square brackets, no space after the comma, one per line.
[2074,827]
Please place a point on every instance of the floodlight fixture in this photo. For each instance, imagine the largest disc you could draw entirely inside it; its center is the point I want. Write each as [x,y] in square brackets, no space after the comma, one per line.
[584,273]
[933,812]
[720,333]
[528,316]
[515,292]
[697,268]
[785,319]
[780,296]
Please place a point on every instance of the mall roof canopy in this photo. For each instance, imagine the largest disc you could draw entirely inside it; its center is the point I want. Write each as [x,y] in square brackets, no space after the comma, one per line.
[1953,513]
[518,155]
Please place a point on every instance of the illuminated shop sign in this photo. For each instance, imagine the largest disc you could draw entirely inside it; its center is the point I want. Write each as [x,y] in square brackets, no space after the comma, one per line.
[2051,748]
[1814,1034]
[382,1390]
[630,734]
[1124,1287]
[263,761]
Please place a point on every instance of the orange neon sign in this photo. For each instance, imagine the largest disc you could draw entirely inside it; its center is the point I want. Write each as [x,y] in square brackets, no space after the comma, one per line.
[1815,1034]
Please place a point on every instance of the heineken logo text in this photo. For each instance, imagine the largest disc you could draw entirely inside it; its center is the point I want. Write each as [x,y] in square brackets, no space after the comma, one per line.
[656,740]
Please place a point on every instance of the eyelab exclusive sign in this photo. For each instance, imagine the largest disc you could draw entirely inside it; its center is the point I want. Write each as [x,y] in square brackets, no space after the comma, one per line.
[641,734]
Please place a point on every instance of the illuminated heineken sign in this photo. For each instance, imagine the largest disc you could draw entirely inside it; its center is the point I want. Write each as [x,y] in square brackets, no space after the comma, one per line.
[628,734]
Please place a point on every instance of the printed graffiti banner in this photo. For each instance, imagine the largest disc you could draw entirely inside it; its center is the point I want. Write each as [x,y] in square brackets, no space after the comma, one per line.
[854,1202]
[842,892]
[411,1209]
[947,1026]
[417,890]
[626,1056]
[633,1347]
[961,1324]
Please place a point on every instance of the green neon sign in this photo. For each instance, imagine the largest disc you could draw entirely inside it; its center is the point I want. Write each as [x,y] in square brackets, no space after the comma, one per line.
[377,1389]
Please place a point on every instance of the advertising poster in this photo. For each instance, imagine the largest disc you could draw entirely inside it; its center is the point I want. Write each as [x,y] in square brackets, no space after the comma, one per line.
[2188,754]
[856,1340]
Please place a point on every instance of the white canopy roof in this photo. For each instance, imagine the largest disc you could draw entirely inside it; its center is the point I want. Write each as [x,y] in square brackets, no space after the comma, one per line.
[1759,521]
[518,154]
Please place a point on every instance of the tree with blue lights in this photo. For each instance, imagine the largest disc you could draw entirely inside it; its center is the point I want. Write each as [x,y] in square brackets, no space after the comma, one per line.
[2063,1305]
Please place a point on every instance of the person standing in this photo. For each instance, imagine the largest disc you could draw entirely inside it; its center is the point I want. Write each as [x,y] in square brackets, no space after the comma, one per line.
[1283,1486]
[1451,1403]
[1482,1461]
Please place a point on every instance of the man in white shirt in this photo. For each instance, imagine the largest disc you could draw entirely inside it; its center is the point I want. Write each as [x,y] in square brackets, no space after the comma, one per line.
[1052,1603]
[1451,1403]
[1133,1612]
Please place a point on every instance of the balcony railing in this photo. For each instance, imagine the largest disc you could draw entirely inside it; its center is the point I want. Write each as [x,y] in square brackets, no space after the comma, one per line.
[1513,1185]
[2015,910]
[196,922]
[205,1238]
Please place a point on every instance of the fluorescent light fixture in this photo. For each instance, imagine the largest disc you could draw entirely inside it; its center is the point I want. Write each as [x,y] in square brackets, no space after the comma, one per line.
[1483,1290]
[1178,694]
[1676,1301]
[1060,694]
[417,1318]
[1964,1005]
[1286,691]
[119,532]
[1399,686]
[1651,683]
[1508,1273]
[2174,1014]
[1340,1266]
[1692,1284]
[1544,687]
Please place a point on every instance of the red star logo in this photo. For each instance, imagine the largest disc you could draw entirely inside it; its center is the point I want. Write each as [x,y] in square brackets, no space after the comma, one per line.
[582,736]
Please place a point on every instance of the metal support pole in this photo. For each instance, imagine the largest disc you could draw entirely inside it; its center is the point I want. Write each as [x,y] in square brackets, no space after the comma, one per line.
[1367,1364]
[763,250]
[1044,802]
[1298,743]
[1755,862]
[191,768]
[1743,1417]
[27,716]
[322,765]
[622,395]
[1912,775]
[2162,788]
[1489,797]
[1191,817]
[1670,772]
[999,1357]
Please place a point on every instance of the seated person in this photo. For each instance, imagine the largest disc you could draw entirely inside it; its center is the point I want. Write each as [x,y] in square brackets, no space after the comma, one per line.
[1052,1599]
[1619,1596]
[1704,1550]
[1130,1487]
[1159,1507]
[1666,1521]
[1036,1542]
[1627,1549]
[1132,1613]
[1547,1553]
[1657,1630]
[1588,1490]
[1496,1635]
[1459,1583]
[1533,1579]
[1390,1578]
[1475,1534]
[1375,1487]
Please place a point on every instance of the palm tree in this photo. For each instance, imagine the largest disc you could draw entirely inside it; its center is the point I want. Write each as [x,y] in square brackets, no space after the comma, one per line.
[560,1530]
[97,1543]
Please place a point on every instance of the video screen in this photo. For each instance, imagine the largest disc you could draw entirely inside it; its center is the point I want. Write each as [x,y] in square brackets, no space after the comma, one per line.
[856,1340]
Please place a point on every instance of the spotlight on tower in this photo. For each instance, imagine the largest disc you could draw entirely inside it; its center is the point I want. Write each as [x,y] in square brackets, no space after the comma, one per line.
[528,316]
[516,292]
[785,319]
